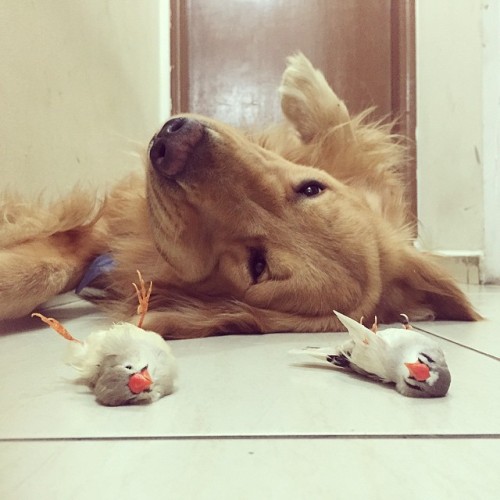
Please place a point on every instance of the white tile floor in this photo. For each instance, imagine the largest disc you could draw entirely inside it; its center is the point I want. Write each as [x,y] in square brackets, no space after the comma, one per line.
[249,421]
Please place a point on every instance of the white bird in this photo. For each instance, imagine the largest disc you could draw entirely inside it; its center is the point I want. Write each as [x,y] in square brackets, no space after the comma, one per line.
[124,364]
[414,362]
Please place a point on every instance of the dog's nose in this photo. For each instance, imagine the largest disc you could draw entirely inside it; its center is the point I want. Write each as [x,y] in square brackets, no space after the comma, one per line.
[173,144]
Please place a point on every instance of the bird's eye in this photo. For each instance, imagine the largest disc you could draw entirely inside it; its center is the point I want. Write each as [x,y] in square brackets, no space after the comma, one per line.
[128,367]
[426,358]
[256,263]
[311,188]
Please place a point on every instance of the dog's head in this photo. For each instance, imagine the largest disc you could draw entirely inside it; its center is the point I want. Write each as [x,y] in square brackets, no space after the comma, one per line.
[256,242]
[233,218]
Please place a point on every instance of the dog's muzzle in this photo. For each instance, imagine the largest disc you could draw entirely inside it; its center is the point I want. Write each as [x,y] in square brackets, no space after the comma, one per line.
[172,145]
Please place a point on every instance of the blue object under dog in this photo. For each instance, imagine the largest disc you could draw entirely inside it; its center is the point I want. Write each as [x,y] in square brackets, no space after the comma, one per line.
[101,264]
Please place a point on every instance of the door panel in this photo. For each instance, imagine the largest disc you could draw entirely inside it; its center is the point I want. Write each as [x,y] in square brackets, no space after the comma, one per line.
[228,56]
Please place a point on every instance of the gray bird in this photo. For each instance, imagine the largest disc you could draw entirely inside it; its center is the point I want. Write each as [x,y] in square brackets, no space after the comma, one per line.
[412,361]
[123,365]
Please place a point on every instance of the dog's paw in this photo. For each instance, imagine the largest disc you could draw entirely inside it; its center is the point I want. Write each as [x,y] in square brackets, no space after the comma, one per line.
[307,100]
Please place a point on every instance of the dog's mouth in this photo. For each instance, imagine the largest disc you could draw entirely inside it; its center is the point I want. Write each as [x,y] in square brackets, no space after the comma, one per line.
[171,148]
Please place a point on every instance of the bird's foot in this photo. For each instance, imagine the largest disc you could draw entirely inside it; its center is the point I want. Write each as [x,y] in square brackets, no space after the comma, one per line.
[374,327]
[58,327]
[405,321]
[143,296]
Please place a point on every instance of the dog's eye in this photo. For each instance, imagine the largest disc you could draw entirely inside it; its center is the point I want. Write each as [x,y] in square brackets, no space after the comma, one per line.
[256,263]
[311,188]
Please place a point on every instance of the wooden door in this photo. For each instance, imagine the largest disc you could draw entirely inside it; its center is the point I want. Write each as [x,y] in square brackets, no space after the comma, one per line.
[228,57]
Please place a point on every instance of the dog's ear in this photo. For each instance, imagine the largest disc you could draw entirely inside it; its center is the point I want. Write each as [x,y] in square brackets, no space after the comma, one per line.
[309,103]
[421,289]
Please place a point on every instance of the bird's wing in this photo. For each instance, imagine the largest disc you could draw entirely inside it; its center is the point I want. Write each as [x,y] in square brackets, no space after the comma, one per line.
[86,357]
[356,330]
[370,350]
[76,355]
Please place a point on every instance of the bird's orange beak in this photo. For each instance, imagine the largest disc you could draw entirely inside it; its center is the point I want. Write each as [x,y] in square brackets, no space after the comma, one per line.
[419,371]
[140,381]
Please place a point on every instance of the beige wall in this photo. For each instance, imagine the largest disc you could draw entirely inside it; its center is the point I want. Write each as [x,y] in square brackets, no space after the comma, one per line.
[85,83]
[83,86]
[449,124]
[491,139]
[458,131]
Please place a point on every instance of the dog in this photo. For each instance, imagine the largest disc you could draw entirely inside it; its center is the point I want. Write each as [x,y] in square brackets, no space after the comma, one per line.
[241,231]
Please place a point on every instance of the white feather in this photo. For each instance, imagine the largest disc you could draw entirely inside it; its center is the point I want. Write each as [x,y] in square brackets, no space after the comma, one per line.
[370,349]
[315,352]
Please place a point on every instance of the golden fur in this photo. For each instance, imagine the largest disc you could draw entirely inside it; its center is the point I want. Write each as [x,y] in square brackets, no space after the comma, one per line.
[238,204]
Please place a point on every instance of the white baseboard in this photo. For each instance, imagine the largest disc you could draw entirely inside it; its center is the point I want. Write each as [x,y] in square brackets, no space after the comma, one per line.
[465,267]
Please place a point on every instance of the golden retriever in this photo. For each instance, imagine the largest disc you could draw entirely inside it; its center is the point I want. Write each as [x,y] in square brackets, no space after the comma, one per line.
[241,232]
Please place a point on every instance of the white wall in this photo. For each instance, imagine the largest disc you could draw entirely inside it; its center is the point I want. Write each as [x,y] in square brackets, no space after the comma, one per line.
[85,83]
[491,139]
[83,86]
[458,64]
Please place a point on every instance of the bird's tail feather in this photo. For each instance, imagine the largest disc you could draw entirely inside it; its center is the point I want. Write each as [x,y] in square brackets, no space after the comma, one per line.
[316,352]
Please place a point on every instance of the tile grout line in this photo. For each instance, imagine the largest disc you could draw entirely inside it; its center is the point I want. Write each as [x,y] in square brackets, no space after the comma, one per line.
[473,349]
[260,437]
